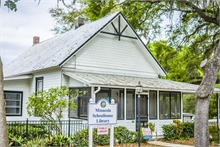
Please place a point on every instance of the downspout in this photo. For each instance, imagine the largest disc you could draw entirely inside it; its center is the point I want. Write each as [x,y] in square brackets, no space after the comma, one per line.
[99,88]
[93,95]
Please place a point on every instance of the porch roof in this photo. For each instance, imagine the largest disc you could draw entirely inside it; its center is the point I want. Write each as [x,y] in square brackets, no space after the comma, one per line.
[107,80]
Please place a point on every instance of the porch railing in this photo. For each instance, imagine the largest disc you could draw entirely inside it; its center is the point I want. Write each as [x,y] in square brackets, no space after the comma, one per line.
[41,128]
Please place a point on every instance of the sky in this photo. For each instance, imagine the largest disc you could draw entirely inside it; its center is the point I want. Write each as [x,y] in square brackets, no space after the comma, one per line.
[17,29]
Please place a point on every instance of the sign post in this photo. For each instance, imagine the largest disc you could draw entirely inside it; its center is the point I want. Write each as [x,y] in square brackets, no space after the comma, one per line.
[102,113]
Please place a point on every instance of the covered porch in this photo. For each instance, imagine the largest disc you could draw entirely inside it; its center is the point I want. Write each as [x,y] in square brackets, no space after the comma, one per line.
[160,100]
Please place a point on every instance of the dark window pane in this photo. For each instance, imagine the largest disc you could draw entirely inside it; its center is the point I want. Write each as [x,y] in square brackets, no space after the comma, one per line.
[153,104]
[164,105]
[175,105]
[130,104]
[13,103]
[39,84]
[81,100]
[113,93]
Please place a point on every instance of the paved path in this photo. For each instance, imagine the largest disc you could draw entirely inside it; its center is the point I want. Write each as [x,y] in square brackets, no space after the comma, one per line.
[168,144]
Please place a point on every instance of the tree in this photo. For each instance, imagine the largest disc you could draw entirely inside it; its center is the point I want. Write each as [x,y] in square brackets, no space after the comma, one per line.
[3,125]
[197,26]
[50,105]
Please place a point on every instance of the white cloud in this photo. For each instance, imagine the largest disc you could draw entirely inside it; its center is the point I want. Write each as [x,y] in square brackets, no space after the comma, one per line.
[17,29]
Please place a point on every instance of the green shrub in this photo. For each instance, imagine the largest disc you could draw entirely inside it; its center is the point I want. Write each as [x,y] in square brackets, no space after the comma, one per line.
[213,133]
[80,138]
[16,141]
[188,130]
[178,130]
[34,130]
[121,133]
[37,142]
[58,140]
[168,132]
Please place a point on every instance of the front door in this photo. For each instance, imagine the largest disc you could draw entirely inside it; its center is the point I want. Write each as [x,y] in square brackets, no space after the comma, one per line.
[143,111]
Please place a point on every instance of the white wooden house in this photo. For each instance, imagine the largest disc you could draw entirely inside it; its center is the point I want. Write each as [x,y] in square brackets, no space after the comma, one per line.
[108,59]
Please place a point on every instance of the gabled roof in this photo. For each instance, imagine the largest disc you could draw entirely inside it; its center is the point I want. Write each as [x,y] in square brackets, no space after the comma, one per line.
[55,51]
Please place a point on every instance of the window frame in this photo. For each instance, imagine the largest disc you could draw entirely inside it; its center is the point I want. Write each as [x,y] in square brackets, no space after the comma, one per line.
[78,100]
[170,105]
[21,102]
[154,91]
[131,91]
[36,83]
[108,91]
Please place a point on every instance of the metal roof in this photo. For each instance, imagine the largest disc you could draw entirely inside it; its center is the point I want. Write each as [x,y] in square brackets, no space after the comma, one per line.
[55,51]
[96,79]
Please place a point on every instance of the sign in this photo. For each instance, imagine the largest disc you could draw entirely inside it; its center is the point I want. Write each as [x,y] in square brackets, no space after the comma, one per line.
[146,133]
[102,130]
[102,113]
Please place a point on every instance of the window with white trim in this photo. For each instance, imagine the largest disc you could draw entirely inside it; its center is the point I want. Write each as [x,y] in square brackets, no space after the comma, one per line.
[170,105]
[39,84]
[153,104]
[13,103]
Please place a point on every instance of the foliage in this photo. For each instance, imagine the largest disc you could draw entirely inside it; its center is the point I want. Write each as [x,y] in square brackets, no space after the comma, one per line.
[34,130]
[36,142]
[121,133]
[58,140]
[171,58]
[15,140]
[178,130]
[11,4]
[80,138]
[151,126]
[50,105]
[189,102]
[213,131]
[190,21]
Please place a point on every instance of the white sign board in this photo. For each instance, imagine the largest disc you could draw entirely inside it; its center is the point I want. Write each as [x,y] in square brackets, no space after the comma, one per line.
[102,130]
[102,113]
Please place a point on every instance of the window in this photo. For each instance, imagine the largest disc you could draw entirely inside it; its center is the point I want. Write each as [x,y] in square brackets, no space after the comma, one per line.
[117,95]
[39,84]
[130,104]
[153,104]
[13,103]
[81,101]
[170,105]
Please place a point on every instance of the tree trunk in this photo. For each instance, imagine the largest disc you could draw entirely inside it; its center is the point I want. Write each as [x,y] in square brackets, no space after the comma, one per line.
[3,126]
[203,94]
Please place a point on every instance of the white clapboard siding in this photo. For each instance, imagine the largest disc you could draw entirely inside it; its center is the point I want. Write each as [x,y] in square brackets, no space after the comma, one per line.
[52,78]
[107,55]
[21,86]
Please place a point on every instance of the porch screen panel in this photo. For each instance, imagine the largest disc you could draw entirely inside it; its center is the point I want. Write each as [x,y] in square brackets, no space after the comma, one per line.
[170,105]
[175,105]
[113,93]
[164,105]
[130,104]
[153,104]
[102,95]
[118,96]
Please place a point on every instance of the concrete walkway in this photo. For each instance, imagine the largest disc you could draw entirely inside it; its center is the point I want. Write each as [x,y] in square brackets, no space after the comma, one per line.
[168,144]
